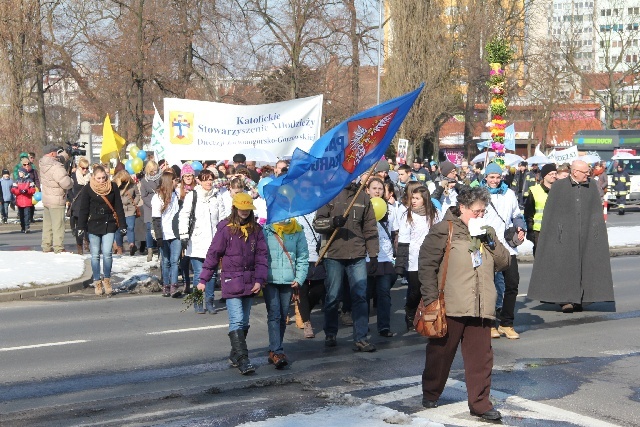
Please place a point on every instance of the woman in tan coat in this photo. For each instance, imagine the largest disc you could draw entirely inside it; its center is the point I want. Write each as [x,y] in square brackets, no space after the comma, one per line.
[470,297]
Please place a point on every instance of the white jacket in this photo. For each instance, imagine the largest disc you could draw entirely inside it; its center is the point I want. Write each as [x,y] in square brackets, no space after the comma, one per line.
[507,206]
[418,230]
[208,214]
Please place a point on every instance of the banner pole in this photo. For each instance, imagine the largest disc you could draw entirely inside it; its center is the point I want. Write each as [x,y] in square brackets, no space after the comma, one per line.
[346,213]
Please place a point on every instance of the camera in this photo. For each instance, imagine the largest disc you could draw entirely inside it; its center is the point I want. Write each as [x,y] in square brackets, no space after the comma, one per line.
[486,239]
[73,148]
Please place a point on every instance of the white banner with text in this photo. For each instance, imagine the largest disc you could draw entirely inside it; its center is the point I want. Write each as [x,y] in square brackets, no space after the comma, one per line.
[200,130]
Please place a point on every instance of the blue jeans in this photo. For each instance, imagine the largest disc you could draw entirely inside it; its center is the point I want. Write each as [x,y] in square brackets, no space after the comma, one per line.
[150,241]
[5,209]
[383,286]
[277,299]
[238,310]
[356,270]
[196,264]
[499,279]
[131,223]
[104,242]
[170,256]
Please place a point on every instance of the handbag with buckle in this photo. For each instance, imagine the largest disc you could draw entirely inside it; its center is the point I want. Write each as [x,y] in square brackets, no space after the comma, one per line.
[431,320]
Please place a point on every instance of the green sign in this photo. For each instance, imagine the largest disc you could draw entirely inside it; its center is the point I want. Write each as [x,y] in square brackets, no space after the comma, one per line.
[594,141]
[629,141]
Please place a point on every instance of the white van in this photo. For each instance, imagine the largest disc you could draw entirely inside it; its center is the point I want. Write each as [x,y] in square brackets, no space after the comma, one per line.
[632,166]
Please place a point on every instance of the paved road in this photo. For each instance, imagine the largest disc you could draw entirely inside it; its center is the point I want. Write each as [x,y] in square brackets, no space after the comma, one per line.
[137,360]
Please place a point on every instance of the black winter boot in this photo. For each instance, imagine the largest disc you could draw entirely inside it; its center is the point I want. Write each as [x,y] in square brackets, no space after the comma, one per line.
[239,346]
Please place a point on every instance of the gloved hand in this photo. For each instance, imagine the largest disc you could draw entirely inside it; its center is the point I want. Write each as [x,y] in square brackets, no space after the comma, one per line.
[159,243]
[123,231]
[184,243]
[491,232]
[372,265]
[79,233]
[339,221]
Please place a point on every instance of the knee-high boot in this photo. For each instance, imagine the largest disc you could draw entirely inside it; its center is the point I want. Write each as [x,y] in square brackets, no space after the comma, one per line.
[241,356]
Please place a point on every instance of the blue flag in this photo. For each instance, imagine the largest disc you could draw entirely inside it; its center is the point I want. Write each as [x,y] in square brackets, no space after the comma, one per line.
[510,137]
[483,144]
[337,158]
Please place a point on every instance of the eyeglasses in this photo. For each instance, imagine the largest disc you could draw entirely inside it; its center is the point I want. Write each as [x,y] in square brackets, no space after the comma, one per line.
[584,172]
[206,180]
[478,212]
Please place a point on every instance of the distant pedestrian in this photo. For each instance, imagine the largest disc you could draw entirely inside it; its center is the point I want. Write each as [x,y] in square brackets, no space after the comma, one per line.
[572,265]
[24,189]
[148,187]
[100,215]
[130,198]
[80,178]
[239,249]
[7,196]
[621,186]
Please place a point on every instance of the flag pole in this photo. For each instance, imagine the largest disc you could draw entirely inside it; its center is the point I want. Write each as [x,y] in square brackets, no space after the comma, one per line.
[346,213]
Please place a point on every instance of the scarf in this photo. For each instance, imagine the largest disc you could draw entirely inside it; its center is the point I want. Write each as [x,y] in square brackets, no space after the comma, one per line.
[500,189]
[290,227]
[153,177]
[100,188]
[244,229]
[422,211]
[82,179]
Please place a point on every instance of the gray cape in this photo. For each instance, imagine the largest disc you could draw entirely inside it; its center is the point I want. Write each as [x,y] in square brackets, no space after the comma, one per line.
[572,262]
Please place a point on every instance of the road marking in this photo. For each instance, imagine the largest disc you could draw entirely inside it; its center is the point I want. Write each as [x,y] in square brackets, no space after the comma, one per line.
[48,344]
[177,331]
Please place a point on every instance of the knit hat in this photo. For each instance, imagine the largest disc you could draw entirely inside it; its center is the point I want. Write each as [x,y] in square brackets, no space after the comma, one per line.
[493,168]
[243,201]
[446,168]
[187,169]
[549,167]
[382,166]
[5,172]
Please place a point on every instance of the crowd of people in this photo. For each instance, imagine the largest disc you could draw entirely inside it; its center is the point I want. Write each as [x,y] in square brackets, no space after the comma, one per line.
[207,225]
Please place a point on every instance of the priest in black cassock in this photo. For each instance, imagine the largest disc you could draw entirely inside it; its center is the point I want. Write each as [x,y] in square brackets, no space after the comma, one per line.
[572,265]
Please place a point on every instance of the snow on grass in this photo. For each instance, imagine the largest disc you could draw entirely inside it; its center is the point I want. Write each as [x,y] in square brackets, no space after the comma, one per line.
[363,415]
[28,268]
[19,269]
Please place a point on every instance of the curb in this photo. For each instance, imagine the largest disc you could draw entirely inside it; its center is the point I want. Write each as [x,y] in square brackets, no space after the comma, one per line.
[59,289]
[614,251]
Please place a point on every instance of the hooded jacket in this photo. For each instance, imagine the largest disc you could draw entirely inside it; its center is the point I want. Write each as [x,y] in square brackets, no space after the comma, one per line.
[55,182]
[283,271]
[468,291]
[207,215]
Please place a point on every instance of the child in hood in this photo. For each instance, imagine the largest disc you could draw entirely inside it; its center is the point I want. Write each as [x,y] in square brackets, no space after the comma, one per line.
[24,189]
[7,198]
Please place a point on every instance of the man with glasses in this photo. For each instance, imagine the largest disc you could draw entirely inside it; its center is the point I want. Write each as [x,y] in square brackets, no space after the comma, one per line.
[55,183]
[572,265]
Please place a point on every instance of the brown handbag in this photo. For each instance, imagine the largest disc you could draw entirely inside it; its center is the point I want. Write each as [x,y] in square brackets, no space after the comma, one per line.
[431,321]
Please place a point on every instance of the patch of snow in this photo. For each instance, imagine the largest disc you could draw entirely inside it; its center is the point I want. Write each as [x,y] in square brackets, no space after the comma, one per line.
[363,415]
[624,236]
[28,268]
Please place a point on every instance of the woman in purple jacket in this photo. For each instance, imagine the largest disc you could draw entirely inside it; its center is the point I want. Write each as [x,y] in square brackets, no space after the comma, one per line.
[240,249]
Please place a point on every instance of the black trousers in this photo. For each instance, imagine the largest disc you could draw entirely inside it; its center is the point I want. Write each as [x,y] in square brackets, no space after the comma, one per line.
[413,291]
[511,282]
[310,295]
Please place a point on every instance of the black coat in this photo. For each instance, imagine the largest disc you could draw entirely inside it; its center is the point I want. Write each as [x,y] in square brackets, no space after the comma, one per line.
[572,262]
[73,195]
[95,216]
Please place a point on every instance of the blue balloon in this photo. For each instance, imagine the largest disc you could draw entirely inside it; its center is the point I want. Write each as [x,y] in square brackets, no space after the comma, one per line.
[129,167]
[264,181]
[197,166]
[38,196]
[142,155]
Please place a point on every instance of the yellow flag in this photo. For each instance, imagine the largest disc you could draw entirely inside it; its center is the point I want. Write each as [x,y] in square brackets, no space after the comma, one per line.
[112,143]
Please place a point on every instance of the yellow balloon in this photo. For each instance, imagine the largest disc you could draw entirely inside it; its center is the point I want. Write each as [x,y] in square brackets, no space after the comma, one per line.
[137,164]
[133,152]
[34,201]
[287,191]
[379,207]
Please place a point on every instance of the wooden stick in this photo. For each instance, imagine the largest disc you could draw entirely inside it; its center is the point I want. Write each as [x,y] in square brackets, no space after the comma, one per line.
[346,213]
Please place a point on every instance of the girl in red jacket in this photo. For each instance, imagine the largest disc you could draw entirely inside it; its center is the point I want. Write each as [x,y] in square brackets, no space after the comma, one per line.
[24,189]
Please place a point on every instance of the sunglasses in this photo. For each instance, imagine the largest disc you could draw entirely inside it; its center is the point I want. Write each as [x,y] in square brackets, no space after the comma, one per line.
[25,164]
[84,169]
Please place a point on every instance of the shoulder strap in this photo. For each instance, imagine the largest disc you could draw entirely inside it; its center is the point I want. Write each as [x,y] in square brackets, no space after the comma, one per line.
[312,232]
[446,262]
[494,208]
[285,251]
[115,215]
[192,214]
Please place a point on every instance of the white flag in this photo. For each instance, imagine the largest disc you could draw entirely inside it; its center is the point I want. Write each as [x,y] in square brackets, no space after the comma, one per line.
[157,143]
